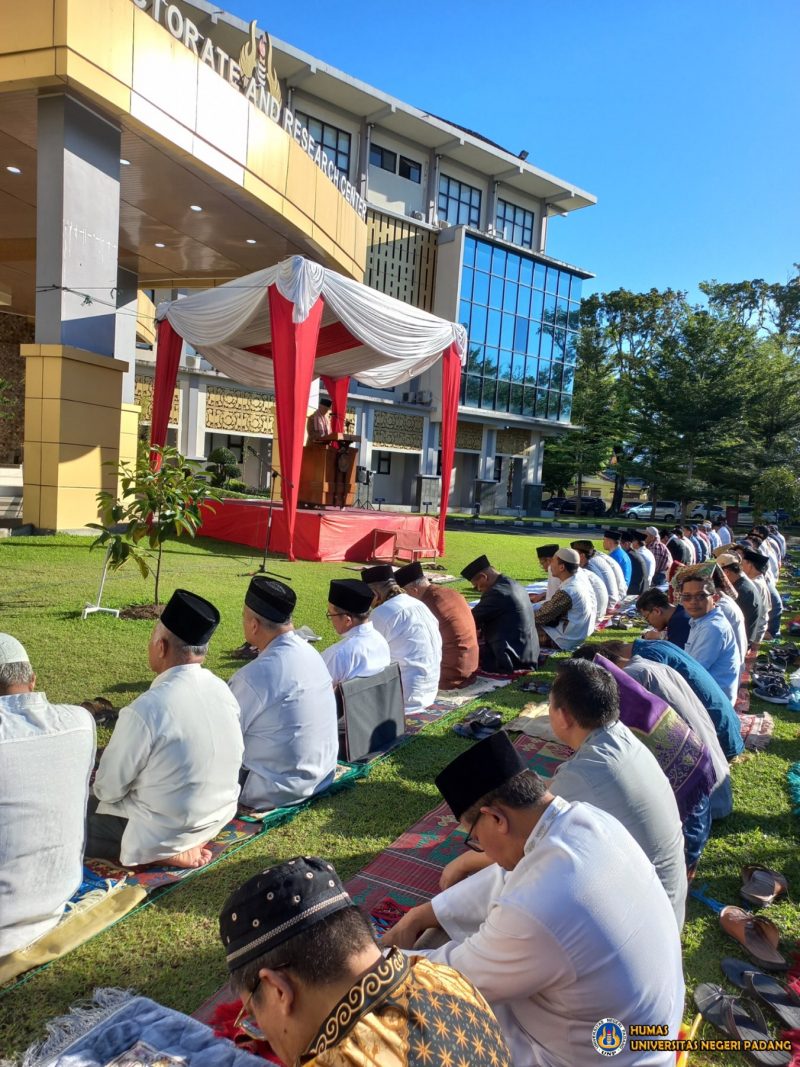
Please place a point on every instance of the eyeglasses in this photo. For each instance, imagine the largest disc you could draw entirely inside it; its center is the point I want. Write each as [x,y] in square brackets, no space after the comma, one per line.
[335,615]
[243,1020]
[688,597]
[468,842]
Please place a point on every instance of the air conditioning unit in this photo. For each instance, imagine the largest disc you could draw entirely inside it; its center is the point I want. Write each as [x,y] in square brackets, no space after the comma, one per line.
[444,224]
[418,215]
[193,362]
[425,397]
[409,398]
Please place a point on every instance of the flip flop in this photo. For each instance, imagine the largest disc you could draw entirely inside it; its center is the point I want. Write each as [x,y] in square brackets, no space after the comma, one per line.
[781,998]
[473,731]
[736,971]
[102,710]
[739,1019]
[762,885]
[244,651]
[759,937]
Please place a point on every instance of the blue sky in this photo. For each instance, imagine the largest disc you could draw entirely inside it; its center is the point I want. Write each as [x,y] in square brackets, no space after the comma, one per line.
[681,117]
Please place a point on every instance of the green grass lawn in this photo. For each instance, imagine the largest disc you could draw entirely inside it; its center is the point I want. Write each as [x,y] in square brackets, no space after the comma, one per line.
[170,949]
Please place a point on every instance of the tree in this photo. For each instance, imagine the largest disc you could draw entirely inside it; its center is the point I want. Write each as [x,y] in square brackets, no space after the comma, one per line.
[6,401]
[777,488]
[222,466]
[155,506]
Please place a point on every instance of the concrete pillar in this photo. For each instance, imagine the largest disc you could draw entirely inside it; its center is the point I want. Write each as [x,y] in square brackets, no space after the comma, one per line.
[127,300]
[77,226]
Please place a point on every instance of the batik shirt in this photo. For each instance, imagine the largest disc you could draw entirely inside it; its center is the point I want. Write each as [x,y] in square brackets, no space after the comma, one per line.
[409,1012]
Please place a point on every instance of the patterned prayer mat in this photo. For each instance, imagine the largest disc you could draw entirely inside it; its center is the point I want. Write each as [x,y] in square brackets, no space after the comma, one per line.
[742,703]
[346,775]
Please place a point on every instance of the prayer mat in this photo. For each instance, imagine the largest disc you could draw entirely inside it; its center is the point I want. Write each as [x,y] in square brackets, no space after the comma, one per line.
[756,731]
[346,774]
[407,873]
[534,721]
[742,702]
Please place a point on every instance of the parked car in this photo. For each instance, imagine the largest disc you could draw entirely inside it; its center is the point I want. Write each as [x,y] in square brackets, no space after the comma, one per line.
[626,506]
[700,511]
[555,503]
[590,505]
[666,511]
[747,518]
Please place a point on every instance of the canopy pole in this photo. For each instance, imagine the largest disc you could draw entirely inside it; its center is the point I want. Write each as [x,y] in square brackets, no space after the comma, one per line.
[294,349]
[451,386]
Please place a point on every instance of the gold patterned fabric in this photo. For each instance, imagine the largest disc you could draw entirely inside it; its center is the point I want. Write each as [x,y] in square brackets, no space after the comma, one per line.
[410,1012]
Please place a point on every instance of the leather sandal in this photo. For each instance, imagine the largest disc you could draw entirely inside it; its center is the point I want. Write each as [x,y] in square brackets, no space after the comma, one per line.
[759,937]
[102,710]
[762,885]
[740,1019]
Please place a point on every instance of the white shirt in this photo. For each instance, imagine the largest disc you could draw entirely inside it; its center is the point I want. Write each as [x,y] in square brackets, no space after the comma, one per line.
[555,948]
[47,753]
[415,643]
[724,535]
[172,765]
[288,717]
[733,613]
[359,653]
[610,572]
[769,549]
[553,583]
[649,561]
[599,590]
[760,582]
[713,537]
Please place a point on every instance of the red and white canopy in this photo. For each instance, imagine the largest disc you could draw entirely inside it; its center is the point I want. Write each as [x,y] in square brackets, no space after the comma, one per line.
[282,327]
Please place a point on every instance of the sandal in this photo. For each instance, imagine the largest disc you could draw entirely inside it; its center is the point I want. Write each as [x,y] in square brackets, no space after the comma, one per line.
[762,885]
[776,692]
[782,999]
[759,937]
[102,710]
[535,687]
[739,1019]
[245,651]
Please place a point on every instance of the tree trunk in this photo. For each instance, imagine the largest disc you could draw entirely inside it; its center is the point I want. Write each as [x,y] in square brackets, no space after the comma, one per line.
[158,573]
[580,494]
[616,500]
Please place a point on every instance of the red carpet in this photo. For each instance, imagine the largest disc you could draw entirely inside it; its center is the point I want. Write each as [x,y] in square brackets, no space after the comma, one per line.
[319,534]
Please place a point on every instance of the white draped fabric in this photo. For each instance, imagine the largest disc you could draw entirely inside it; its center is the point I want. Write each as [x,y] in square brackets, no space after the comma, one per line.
[397,341]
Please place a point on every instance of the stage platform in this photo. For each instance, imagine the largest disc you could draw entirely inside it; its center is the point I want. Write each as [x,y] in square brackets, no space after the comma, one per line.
[319,533]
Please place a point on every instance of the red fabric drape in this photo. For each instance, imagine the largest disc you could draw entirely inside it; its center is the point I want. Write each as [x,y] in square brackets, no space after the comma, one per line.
[294,347]
[336,389]
[168,356]
[333,339]
[451,386]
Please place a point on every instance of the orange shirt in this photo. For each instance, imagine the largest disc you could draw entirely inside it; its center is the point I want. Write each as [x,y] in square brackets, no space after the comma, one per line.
[459,636]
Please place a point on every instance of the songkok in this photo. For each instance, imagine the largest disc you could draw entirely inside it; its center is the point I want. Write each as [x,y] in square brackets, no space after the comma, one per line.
[412,572]
[11,651]
[271,599]
[568,555]
[759,561]
[477,565]
[351,595]
[546,551]
[581,546]
[719,520]
[478,771]
[635,535]
[384,572]
[325,403]
[652,531]
[725,559]
[612,535]
[626,535]
[190,618]
[277,905]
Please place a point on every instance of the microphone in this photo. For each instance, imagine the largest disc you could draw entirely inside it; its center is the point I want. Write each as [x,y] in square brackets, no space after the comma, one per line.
[277,474]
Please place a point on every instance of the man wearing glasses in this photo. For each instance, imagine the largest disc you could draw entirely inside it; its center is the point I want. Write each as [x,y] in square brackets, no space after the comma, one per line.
[711,640]
[552,948]
[360,651]
[669,622]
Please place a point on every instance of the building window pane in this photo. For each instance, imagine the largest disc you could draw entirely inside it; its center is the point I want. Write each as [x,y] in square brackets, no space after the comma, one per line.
[503,389]
[515,400]
[483,259]
[480,291]
[383,158]
[524,301]
[493,329]
[575,289]
[492,361]
[384,462]
[410,169]
[499,260]
[541,403]
[566,407]
[504,372]
[330,137]
[466,283]
[520,334]
[529,402]
[539,273]
[515,223]
[477,328]
[507,332]
[470,244]
[473,391]
[489,394]
[510,297]
[496,293]
[459,203]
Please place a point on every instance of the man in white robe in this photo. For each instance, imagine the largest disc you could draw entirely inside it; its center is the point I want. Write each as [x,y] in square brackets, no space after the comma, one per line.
[545,555]
[413,636]
[47,753]
[360,651]
[606,568]
[569,924]
[168,780]
[287,705]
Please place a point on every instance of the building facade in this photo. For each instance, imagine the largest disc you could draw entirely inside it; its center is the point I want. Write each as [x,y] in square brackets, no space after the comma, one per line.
[197,168]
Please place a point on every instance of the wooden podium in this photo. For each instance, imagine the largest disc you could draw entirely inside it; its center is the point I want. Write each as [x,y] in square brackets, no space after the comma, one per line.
[328,475]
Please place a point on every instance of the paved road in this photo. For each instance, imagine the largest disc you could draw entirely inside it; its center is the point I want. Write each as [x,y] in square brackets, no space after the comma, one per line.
[574,531]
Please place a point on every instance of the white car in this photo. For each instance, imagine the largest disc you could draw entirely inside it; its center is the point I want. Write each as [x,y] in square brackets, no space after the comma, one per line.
[666,511]
[700,511]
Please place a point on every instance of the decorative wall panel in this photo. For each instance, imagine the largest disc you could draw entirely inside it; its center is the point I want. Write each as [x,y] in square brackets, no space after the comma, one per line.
[393,430]
[513,442]
[469,436]
[401,259]
[143,396]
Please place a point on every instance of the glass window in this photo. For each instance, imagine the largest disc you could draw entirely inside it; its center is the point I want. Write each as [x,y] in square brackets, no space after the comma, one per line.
[563,285]
[483,255]
[566,407]
[492,360]
[515,223]
[571,353]
[480,288]
[489,397]
[496,293]
[541,403]
[503,389]
[520,334]
[529,402]
[473,394]
[336,142]
[493,328]
[551,285]
[539,272]
[384,463]
[499,261]
[477,328]
[524,301]
[504,373]
[410,169]
[537,301]
[534,337]
[512,267]
[575,289]
[515,400]
[383,158]
[507,332]
[470,245]
[526,272]
[556,372]
[510,297]
[574,316]
[459,203]
[531,370]
[466,283]
[463,316]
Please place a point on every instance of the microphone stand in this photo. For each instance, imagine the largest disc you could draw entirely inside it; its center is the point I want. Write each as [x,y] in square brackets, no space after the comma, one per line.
[262,568]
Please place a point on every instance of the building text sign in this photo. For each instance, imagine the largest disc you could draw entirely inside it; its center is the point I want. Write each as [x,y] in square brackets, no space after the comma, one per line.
[253,74]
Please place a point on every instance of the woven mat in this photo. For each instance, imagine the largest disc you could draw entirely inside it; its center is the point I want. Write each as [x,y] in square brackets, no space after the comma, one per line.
[756,731]
[346,774]
[407,873]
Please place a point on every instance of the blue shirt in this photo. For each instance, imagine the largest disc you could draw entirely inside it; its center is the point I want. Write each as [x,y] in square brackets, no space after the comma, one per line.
[699,547]
[678,627]
[712,644]
[716,703]
[624,560]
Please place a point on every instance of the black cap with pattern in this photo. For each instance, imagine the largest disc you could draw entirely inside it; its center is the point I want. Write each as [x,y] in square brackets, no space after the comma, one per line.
[276,905]
[271,599]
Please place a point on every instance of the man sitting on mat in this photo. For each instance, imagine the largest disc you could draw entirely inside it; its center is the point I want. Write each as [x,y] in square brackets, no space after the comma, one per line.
[569,925]
[567,620]
[360,651]
[505,618]
[317,990]
[47,753]
[287,705]
[168,781]
[412,634]
[456,625]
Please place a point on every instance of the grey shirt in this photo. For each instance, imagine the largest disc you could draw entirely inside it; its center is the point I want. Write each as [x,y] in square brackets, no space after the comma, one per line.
[664,682]
[615,772]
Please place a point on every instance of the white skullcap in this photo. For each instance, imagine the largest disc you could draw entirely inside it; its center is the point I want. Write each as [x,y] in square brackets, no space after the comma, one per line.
[11,651]
[568,555]
[651,530]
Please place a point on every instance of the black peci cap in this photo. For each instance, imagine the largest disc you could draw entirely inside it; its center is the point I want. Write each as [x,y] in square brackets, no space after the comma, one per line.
[478,771]
[412,572]
[271,599]
[384,572]
[350,595]
[480,564]
[191,618]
